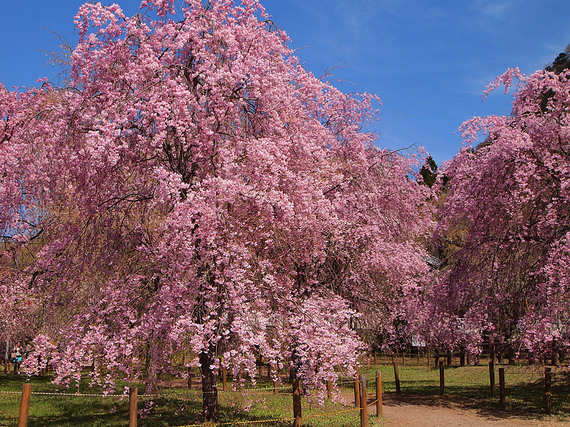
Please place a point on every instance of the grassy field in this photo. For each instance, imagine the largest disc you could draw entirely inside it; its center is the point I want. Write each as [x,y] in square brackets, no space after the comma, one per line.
[178,406]
[175,406]
[469,386]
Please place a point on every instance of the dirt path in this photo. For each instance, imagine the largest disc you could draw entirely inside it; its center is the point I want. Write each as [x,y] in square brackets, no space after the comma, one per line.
[433,411]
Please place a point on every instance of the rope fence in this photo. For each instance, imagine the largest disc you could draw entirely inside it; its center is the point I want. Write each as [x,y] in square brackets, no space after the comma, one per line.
[287,387]
[45,393]
[133,396]
[359,383]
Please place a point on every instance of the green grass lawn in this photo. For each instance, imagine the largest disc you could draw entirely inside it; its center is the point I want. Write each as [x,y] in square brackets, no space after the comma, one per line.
[174,407]
[178,406]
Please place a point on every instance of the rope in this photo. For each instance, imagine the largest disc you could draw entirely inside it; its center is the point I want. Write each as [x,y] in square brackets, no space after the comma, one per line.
[140,395]
[261,388]
[221,391]
[43,393]
[273,420]
[370,404]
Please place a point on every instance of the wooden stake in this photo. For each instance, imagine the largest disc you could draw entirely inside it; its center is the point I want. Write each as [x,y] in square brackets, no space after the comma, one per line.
[547,390]
[356,392]
[297,403]
[25,405]
[502,387]
[492,375]
[133,397]
[441,379]
[378,393]
[396,377]
[363,402]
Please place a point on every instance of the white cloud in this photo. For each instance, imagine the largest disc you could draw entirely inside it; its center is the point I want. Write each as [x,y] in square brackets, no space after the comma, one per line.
[492,8]
[495,9]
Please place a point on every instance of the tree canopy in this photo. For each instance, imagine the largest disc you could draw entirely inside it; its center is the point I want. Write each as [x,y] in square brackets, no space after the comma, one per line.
[507,282]
[197,189]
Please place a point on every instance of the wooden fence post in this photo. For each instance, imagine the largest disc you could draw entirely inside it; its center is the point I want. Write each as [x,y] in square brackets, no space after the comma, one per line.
[492,375]
[502,387]
[547,390]
[25,405]
[396,377]
[378,393]
[356,392]
[133,397]
[363,402]
[297,403]
[441,379]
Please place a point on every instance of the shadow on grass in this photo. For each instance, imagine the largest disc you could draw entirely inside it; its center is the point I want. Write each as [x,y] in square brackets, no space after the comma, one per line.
[12,382]
[521,401]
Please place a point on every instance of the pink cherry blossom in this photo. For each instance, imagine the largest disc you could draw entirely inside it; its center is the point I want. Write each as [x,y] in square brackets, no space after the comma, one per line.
[199,191]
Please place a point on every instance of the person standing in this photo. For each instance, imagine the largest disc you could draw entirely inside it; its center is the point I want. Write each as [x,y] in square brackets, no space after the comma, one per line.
[17,357]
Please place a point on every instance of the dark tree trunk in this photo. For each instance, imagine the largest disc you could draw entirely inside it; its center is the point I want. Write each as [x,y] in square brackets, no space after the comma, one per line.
[292,373]
[150,368]
[462,357]
[210,406]
[511,356]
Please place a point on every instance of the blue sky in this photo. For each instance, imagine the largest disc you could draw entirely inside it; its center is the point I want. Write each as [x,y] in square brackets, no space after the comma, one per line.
[429,61]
